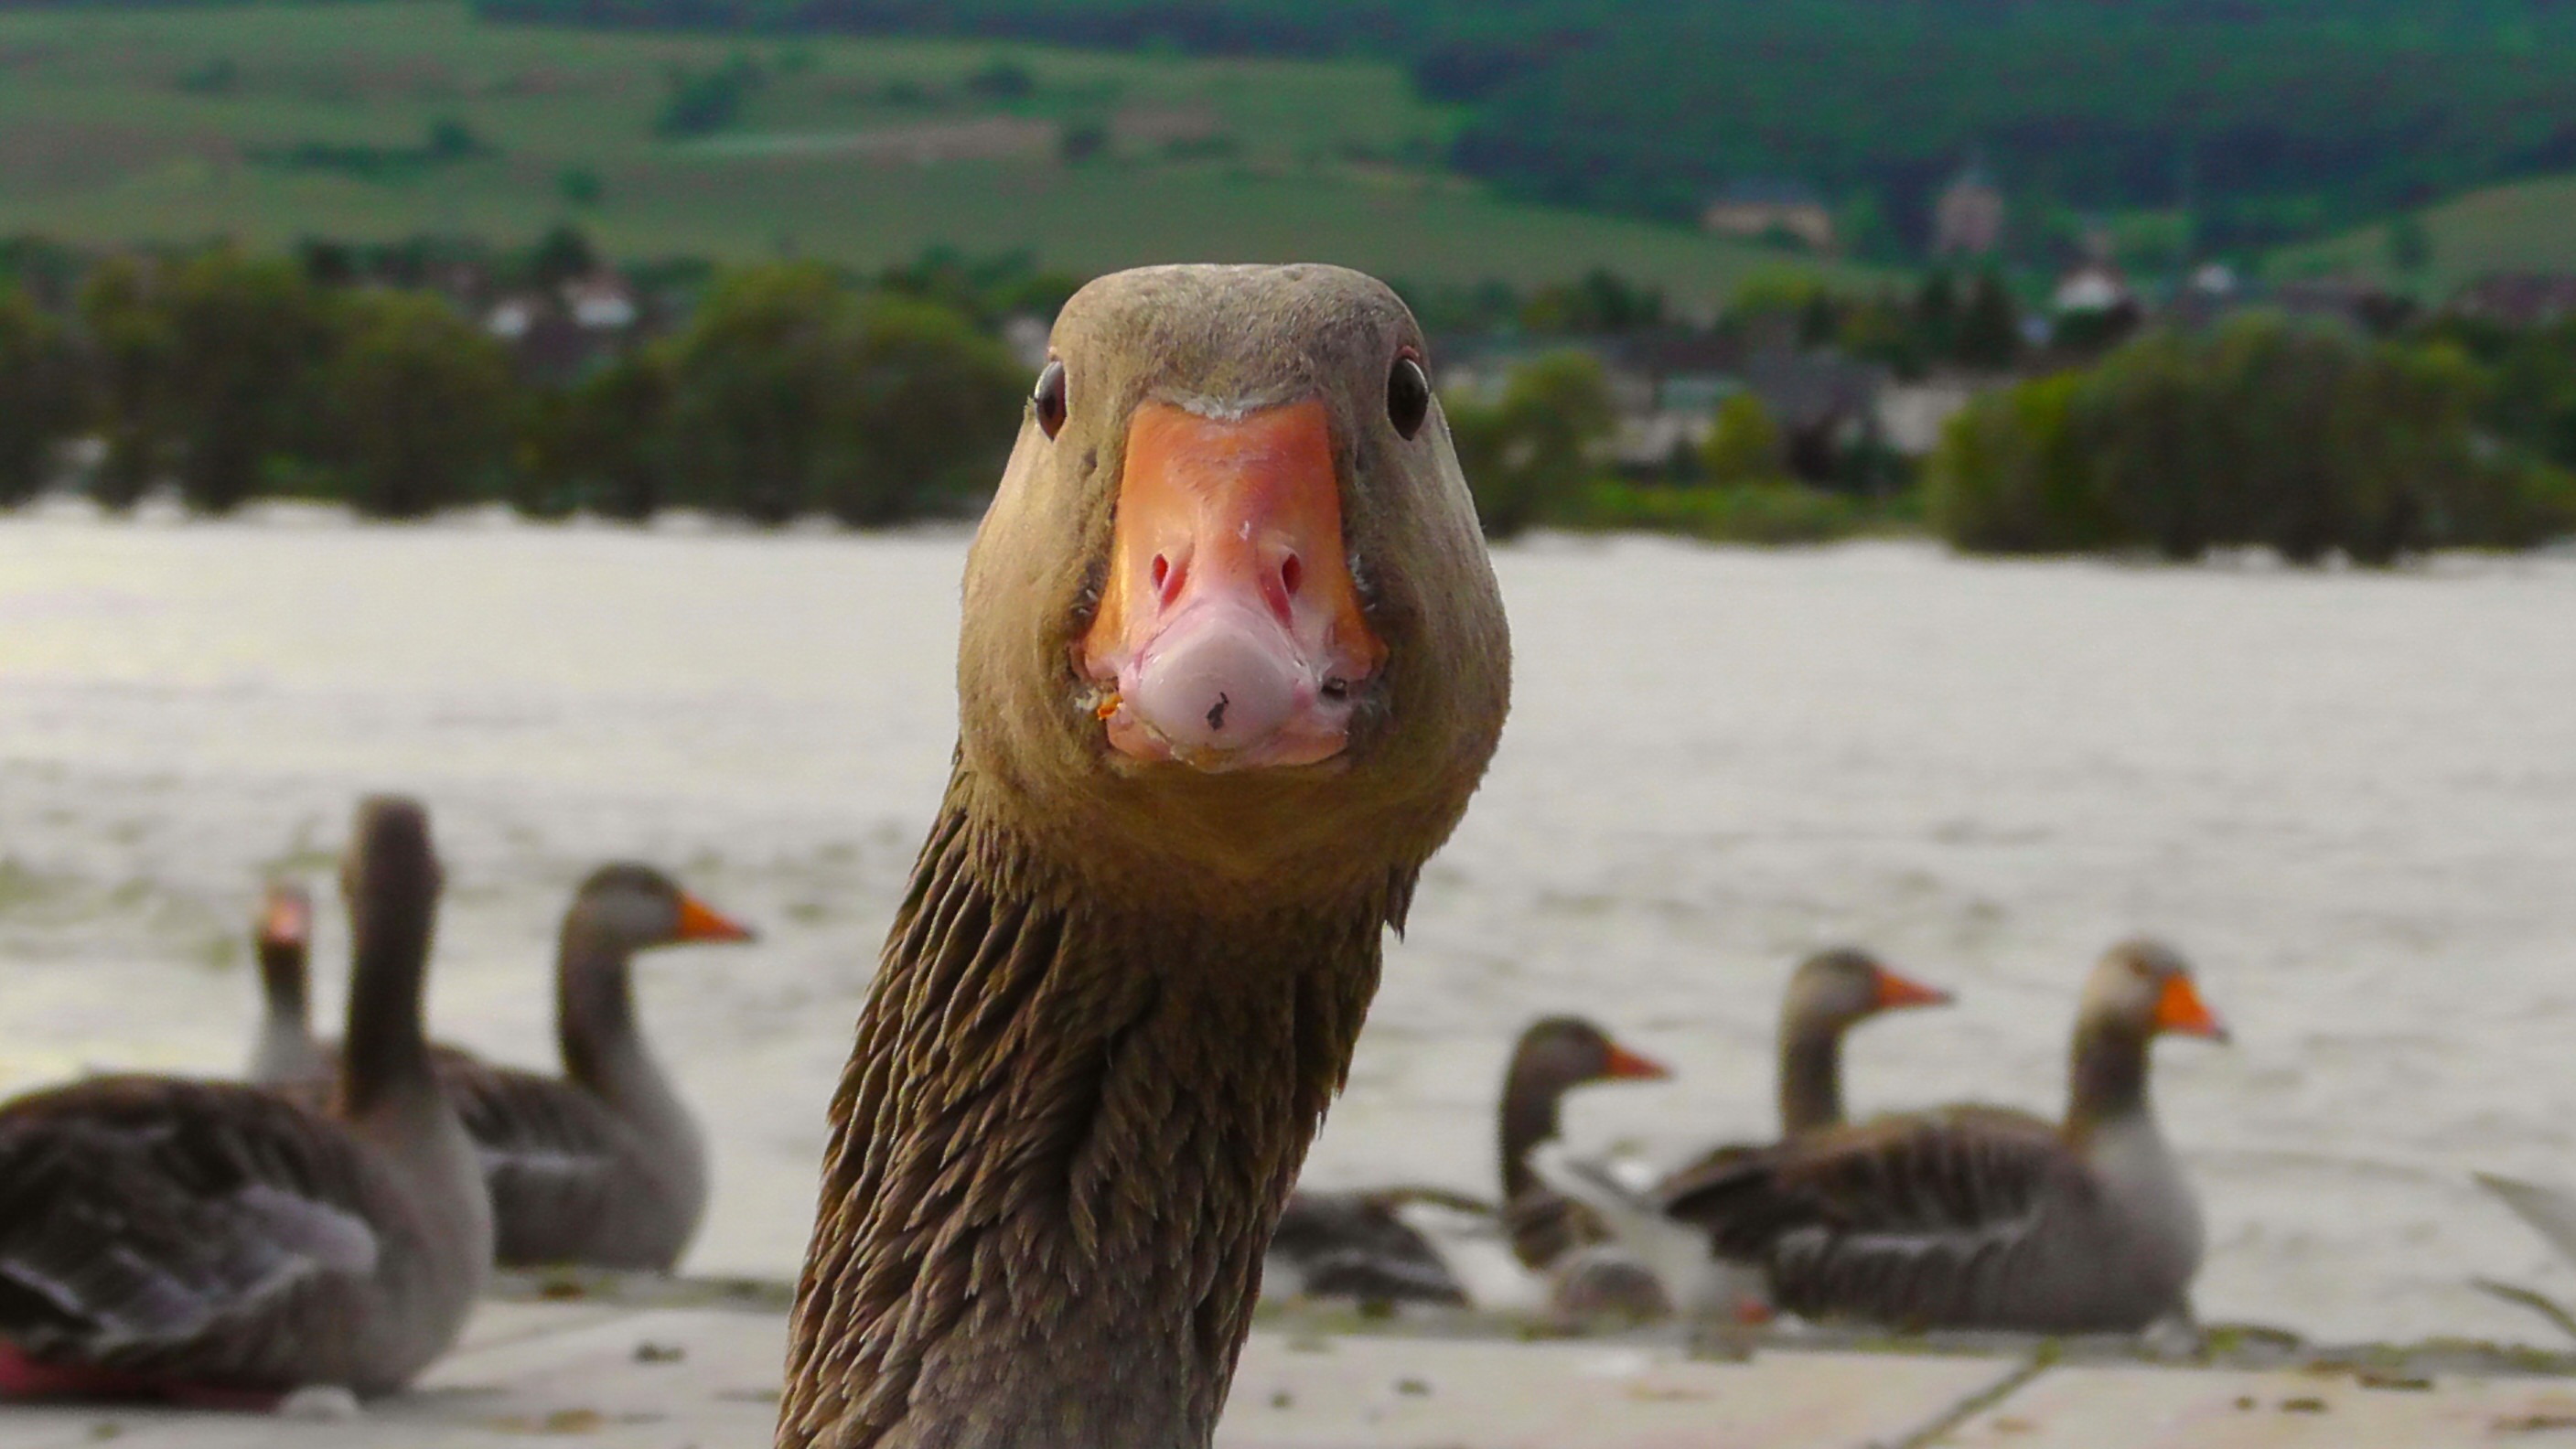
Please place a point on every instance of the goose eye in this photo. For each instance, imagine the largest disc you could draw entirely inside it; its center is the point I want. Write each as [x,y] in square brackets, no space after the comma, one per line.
[1048,400]
[1408,394]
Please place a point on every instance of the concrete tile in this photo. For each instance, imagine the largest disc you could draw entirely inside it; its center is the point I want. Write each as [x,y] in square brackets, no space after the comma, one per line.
[496,1322]
[2151,1408]
[1389,1393]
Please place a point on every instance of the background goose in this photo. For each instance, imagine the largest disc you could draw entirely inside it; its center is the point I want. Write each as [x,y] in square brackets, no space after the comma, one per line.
[1981,1218]
[1232,662]
[285,1049]
[1828,994]
[1395,1245]
[214,1241]
[604,1165]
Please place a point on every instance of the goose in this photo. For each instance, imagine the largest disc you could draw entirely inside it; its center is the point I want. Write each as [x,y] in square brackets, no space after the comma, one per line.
[1830,992]
[1232,661]
[1378,1245]
[213,1242]
[603,1166]
[285,1049]
[1975,1217]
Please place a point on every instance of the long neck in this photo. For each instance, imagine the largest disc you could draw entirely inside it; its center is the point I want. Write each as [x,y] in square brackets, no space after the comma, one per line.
[282,977]
[1057,1155]
[595,1007]
[2108,1079]
[1531,1114]
[1811,1075]
[386,1058]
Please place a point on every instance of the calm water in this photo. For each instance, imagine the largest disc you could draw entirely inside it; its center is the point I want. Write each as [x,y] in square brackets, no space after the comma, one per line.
[2351,798]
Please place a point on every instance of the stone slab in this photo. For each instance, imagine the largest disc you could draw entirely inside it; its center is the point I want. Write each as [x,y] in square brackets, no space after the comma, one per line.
[2150,1408]
[1395,1393]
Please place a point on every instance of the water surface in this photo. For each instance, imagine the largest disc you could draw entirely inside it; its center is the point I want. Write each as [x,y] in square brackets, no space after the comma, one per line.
[2351,798]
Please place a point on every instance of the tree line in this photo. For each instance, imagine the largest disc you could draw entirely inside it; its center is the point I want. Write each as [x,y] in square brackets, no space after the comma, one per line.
[789,390]
[2269,431]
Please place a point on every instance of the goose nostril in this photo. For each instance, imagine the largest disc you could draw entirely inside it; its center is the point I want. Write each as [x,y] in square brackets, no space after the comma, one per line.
[1291,573]
[1162,573]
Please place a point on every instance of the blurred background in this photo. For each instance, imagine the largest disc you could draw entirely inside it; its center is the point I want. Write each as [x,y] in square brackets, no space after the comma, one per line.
[1972,478]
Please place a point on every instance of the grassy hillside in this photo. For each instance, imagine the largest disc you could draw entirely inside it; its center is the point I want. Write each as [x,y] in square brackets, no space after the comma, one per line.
[2528,226]
[2272,120]
[391,117]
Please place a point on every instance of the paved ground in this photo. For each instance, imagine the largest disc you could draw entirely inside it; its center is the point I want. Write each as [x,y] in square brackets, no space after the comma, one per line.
[641,1376]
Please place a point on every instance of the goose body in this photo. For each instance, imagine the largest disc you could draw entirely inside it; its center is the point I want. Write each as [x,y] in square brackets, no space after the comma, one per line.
[1980,1218]
[216,1242]
[1232,661]
[604,1165]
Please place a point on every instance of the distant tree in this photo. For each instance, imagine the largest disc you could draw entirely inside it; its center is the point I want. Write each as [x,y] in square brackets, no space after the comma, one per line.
[245,338]
[1936,314]
[132,346]
[422,400]
[1746,445]
[605,444]
[580,185]
[1531,453]
[758,387]
[1989,327]
[702,102]
[563,254]
[1081,141]
[1002,80]
[931,407]
[39,395]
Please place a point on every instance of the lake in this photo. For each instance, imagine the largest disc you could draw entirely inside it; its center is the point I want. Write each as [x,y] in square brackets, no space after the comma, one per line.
[2350,797]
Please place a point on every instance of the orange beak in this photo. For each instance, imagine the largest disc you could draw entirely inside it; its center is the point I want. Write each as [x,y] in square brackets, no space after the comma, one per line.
[289,917]
[702,922]
[1230,634]
[1896,991]
[2180,1010]
[1623,1065]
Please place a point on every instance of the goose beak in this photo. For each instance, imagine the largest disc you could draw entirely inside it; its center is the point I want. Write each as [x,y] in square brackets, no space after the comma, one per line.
[1229,634]
[702,922]
[1623,1065]
[2180,1010]
[1896,992]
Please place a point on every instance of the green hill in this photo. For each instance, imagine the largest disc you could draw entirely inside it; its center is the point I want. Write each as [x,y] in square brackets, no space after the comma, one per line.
[392,117]
[2270,121]
[2527,226]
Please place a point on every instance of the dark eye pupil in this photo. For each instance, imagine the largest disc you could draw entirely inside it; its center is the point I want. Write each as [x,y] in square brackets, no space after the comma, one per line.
[1048,400]
[1408,396]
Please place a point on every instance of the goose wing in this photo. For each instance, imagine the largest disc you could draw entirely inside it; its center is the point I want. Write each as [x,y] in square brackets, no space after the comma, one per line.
[1917,1219]
[203,1230]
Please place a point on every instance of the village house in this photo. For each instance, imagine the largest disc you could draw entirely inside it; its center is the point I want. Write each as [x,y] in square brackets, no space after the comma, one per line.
[1758,210]
[1968,217]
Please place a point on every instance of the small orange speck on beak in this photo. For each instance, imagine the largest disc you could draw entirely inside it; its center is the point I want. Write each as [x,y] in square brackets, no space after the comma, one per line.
[702,922]
[2180,1010]
[1230,633]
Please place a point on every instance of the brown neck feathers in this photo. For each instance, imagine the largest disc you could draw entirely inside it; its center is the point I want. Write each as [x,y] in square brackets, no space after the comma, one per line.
[1057,1155]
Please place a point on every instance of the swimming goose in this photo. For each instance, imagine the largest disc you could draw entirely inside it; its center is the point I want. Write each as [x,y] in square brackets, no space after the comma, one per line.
[1981,1218]
[1232,662]
[216,1242]
[285,1049]
[603,1166]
